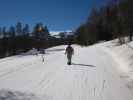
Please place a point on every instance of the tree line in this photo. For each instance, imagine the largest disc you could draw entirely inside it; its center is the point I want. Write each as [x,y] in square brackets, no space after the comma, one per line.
[20,38]
[113,20]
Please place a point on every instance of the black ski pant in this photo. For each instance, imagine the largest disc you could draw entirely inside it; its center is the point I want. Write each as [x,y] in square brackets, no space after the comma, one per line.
[69,57]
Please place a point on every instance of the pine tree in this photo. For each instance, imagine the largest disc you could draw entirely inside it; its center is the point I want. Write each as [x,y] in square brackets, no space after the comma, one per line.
[40,31]
[12,31]
[4,32]
[26,29]
[19,29]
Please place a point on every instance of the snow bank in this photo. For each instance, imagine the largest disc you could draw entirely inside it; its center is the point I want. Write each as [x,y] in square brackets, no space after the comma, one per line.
[123,56]
[31,52]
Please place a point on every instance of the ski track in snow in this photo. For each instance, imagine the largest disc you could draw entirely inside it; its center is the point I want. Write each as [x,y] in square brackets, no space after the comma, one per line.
[92,76]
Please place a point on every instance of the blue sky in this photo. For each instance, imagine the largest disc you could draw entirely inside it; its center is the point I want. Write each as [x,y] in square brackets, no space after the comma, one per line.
[58,15]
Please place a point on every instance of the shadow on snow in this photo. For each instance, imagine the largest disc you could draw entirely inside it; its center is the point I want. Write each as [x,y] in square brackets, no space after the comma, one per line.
[83,65]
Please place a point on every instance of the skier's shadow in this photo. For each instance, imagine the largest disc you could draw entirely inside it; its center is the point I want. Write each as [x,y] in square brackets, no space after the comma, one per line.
[83,65]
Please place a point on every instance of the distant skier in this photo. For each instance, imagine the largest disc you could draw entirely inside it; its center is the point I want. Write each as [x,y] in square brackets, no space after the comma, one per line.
[42,51]
[69,52]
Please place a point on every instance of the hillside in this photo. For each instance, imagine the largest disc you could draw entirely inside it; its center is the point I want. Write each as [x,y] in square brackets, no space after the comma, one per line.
[99,72]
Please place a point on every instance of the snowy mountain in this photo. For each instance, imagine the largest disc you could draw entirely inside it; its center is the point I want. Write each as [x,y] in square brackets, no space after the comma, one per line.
[57,33]
[53,33]
[100,72]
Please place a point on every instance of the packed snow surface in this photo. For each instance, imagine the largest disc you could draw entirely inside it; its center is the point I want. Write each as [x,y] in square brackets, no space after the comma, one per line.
[96,73]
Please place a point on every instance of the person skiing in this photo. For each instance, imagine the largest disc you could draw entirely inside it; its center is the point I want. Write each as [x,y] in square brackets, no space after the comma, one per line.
[42,51]
[69,52]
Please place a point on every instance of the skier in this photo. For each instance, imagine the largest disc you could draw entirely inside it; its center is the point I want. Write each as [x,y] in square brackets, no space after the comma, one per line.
[42,54]
[69,52]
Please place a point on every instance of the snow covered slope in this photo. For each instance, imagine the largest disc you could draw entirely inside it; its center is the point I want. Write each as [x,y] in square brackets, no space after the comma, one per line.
[94,75]
[123,55]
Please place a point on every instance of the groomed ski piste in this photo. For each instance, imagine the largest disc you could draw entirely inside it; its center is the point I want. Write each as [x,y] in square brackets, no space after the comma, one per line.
[100,72]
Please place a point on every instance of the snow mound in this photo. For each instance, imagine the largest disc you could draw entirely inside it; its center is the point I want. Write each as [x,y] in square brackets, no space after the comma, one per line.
[31,52]
[123,56]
